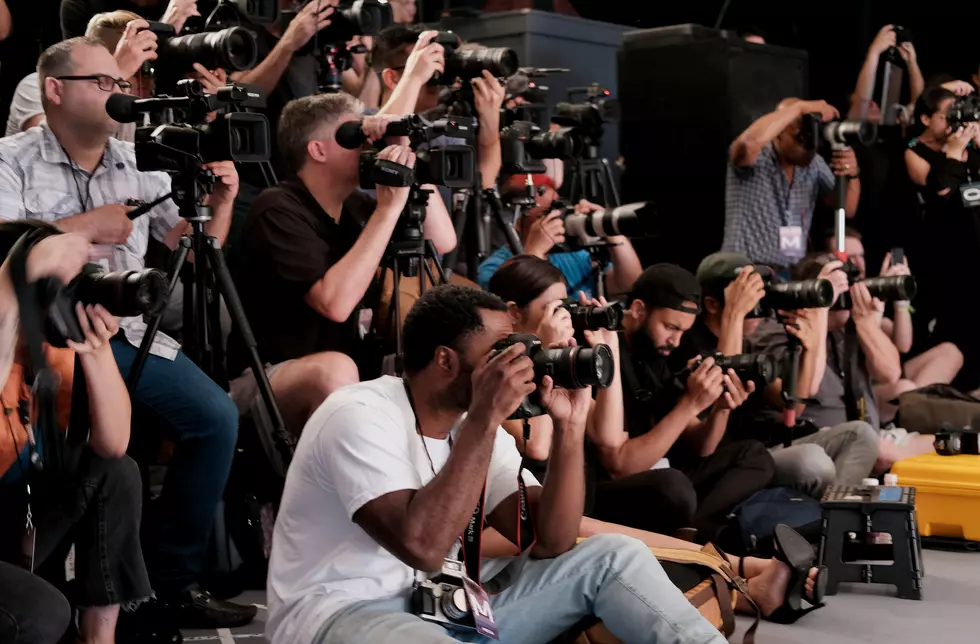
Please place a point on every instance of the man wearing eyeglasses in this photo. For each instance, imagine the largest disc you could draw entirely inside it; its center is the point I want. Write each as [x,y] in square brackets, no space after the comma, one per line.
[71,172]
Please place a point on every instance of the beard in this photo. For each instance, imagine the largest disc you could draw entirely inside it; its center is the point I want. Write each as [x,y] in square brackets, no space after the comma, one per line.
[646,346]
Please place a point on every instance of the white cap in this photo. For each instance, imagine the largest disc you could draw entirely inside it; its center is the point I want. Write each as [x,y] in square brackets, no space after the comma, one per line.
[891,479]
[870,483]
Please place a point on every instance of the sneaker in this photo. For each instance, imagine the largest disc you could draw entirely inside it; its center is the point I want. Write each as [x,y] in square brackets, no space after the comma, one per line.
[199,609]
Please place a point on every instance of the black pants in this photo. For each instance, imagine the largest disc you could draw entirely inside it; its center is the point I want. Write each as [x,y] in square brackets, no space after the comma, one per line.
[701,493]
[660,501]
[32,611]
[98,511]
[722,480]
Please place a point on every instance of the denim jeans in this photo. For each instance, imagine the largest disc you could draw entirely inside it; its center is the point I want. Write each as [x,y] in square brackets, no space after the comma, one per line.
[97,510]
[611,576]
[32,611]
[179,401]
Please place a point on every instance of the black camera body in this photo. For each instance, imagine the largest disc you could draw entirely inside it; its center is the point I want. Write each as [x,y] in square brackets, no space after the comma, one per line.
[569,368]
[442,599]
[121,293]
[523,145]
[852,132]
[353,18]
[761,368]
[965,109]
[589,117]
[894,288]
[787,296]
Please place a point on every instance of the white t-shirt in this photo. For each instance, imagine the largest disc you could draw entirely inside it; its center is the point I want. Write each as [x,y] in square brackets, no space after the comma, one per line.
[359,445]
[25,105]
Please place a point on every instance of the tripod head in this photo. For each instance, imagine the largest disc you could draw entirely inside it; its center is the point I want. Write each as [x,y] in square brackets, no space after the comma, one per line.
[408,230]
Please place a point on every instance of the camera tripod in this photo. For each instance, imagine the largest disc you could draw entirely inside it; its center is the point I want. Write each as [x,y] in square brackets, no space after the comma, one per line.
[472,227]
[592,179]
[202,335]
[407,250]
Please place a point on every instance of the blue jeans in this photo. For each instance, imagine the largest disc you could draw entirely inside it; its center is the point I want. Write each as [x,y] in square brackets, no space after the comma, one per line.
[186,407]
[614,577]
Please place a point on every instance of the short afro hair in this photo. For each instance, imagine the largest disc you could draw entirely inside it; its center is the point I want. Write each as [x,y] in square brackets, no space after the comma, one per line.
[389,47]
[444,317]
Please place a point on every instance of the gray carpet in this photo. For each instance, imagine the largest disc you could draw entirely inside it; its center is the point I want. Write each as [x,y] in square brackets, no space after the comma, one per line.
[858,614]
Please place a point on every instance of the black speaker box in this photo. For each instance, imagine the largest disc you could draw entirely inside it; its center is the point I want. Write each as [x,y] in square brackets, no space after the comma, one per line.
[687,92]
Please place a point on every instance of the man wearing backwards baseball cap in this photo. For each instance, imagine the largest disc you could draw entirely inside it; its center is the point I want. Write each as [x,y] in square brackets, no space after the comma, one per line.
[683,421]
[732,289]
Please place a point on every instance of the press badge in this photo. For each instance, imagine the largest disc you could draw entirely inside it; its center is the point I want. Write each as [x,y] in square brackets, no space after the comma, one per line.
[479,603]
[791,241]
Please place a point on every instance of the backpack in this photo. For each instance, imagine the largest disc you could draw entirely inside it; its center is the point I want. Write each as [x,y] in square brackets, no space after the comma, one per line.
[925,410]
[758,516]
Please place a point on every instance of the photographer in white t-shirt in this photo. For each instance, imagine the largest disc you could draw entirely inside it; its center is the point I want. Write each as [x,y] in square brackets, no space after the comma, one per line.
[386,478]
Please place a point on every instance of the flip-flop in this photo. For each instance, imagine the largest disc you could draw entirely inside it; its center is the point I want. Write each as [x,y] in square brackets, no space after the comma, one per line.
[797,553]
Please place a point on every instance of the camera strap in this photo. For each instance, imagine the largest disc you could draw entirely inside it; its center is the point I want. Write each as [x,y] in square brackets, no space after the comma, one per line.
[472,537]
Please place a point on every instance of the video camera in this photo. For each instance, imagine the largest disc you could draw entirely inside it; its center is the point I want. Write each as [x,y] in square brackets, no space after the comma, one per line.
[569,368]
[183,139]
[452,166]
[894,288]
[589,117]
[814,131]
[123,294]
[965,109]
[589,317]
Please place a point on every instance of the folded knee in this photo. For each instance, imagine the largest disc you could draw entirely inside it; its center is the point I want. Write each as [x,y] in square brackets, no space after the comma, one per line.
[863,434]
[815,467]
[331,371]
[217,419]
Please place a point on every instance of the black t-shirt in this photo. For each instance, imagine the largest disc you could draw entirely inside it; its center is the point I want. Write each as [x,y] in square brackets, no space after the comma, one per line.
[297,81]
[288,243]
[75,14]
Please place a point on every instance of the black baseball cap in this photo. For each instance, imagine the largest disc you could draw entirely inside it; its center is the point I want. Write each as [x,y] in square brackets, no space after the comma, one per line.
[717,271]
[667,286]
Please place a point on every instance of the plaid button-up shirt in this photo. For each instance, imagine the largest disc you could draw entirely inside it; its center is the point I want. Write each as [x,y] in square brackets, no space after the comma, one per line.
[759,200]
[38,181]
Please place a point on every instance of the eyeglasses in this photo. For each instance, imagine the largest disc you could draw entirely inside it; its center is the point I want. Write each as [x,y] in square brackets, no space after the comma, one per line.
[106,83]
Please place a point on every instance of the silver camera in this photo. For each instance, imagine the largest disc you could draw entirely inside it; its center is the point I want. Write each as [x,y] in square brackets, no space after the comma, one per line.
[441,599]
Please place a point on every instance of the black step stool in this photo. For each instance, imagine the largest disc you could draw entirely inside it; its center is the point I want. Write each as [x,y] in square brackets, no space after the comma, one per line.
[870,536]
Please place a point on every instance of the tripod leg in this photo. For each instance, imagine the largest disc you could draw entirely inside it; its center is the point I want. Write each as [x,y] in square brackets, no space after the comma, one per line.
[497,210]
[610,181]
[459,225]
[283,440]
[430,250]
[176,264]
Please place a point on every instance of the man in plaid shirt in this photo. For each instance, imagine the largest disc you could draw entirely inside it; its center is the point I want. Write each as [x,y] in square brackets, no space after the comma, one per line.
[773,183]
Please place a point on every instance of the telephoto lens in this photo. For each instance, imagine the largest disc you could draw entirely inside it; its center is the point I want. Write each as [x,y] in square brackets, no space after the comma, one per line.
[361,18]
[805,294]
[470,63]
[630,220]
[123,293]
[588,317]
[894,288]
[758,367]
[851,132]
[233,49]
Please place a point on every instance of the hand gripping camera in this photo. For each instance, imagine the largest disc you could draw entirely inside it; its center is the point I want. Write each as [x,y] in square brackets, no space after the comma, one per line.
[589,317]
[123,294]
[441,599]
[894,288]
[569,368]
[790,296]
[761,368]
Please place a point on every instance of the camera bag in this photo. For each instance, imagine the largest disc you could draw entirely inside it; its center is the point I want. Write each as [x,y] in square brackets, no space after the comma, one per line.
[708,582]
[925,410]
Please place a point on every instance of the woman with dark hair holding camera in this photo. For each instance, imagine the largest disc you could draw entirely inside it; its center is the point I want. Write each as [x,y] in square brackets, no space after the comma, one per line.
[943,162]
[534,291]
[96,505]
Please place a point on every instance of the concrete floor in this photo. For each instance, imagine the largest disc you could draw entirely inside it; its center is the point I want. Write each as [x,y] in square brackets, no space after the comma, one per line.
[858,614]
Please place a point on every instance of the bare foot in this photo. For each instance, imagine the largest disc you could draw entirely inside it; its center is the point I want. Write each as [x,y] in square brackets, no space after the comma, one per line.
[768,588]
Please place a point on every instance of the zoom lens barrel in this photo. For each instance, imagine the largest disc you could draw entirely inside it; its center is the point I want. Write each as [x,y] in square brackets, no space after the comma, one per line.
[631,220]
[561,144]
[894,288]
[758,367]
[470,63]
[124,293]
[575,367]
[804,294]
[234,49]
[587,317]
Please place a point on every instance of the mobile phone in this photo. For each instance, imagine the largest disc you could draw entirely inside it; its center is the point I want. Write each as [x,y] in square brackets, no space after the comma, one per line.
[898,255]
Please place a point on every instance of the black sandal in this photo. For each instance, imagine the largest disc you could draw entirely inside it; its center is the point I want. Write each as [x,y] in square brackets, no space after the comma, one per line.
[797,553]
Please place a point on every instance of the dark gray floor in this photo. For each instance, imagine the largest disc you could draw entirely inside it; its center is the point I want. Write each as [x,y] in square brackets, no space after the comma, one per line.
[948,614]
